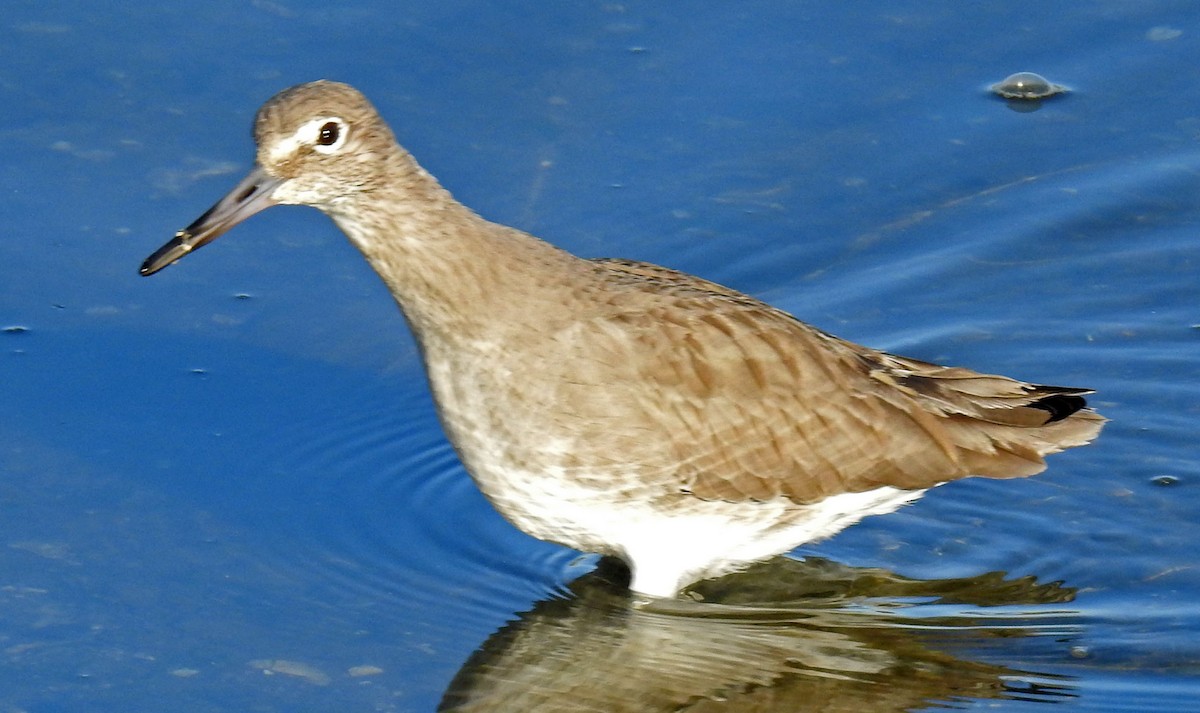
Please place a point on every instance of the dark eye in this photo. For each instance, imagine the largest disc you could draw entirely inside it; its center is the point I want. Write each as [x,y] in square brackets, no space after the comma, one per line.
[329,133]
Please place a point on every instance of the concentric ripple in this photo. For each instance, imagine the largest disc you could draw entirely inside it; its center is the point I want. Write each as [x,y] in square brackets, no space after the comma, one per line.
[374,509]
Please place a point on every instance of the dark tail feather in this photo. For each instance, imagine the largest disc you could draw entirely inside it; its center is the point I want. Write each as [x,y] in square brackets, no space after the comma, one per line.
[1062,404]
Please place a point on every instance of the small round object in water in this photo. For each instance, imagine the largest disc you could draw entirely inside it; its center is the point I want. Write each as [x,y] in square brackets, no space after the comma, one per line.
[1026,85]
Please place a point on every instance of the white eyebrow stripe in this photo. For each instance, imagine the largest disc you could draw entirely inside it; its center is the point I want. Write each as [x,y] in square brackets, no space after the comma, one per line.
[303,136]
[286,146]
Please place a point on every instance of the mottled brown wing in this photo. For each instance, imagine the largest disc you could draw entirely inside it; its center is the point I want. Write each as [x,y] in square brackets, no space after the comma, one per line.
[760,405]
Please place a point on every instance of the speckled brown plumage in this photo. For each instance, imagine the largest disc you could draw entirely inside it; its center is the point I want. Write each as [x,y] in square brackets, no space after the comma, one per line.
[626,408]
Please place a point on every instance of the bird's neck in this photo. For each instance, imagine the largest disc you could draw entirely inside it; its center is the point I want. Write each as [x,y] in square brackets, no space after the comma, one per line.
[455,274]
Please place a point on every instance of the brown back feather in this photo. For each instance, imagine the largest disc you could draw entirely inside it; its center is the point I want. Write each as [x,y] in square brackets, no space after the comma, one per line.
[780,408]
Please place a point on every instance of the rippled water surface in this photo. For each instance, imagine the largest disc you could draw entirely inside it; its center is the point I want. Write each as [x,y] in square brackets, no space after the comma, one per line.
[225,487]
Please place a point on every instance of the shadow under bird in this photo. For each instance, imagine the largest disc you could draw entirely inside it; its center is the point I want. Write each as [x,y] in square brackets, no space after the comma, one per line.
[627,409]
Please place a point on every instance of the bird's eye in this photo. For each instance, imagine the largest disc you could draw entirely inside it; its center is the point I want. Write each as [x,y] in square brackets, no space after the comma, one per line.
[325,134]
[329,133]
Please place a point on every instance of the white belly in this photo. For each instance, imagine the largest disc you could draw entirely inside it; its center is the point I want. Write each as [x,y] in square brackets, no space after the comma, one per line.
[672,542]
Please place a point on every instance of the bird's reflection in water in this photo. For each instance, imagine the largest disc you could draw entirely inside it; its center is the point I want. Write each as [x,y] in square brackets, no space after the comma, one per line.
[789,635]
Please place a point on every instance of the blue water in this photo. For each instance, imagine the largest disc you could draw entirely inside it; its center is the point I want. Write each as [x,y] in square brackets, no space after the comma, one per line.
[225,488]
